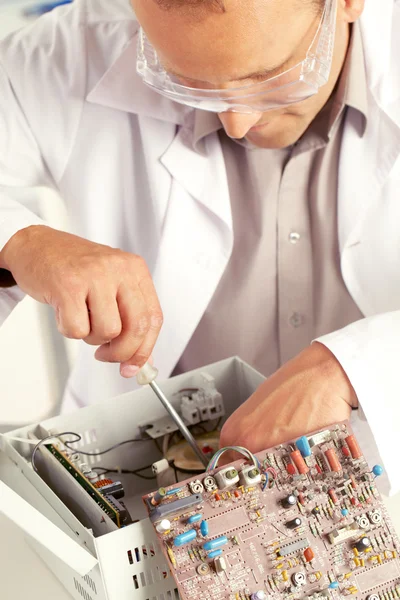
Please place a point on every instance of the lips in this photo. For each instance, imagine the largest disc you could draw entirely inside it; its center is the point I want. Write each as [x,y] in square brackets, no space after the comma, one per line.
[261,126]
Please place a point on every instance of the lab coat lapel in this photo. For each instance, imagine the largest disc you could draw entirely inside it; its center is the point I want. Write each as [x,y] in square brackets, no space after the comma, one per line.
[366,162]
[196,242]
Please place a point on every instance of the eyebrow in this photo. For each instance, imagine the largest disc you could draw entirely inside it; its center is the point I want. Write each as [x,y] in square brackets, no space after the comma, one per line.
[261,73]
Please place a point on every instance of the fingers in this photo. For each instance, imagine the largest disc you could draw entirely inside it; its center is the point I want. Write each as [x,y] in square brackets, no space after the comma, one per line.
[130,367]
[141,320]
[105,321]
[72,316]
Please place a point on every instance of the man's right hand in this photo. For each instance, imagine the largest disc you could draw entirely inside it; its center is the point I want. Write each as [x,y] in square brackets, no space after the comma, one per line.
[101,295]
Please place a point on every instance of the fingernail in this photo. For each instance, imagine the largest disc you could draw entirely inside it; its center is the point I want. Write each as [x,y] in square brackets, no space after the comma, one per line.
[130,371]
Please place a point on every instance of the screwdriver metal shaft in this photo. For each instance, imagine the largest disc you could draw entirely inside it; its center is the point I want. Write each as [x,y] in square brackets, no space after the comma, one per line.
[178,421]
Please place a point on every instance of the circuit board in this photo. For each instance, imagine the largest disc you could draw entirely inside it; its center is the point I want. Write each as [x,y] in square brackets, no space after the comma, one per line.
[305,521]
[106,493]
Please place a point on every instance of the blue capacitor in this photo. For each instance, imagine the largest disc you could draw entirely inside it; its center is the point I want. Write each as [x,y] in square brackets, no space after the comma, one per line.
[377,470]
[185,538]
[204,528]
[217,543]
[214,554]
[194,518]
[174,491]
[334,585]
[304,447]
[344,512]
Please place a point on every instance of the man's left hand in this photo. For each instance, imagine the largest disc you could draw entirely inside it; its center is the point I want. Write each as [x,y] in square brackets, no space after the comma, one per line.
[308,393]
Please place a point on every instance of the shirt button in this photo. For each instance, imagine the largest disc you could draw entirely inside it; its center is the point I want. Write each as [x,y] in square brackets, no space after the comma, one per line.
[294,237]
[296,320]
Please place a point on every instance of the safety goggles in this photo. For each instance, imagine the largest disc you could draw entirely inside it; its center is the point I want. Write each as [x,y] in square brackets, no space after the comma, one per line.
[293,85]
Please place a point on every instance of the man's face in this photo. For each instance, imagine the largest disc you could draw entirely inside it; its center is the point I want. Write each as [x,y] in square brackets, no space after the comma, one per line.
[251,41]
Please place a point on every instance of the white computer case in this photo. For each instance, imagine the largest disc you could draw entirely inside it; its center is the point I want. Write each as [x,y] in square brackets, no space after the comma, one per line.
[126,564]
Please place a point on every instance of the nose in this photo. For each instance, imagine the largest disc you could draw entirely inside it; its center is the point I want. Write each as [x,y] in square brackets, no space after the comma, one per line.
[237,125]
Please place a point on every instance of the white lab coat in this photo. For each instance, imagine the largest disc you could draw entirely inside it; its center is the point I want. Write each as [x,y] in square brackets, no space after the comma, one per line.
[75,116]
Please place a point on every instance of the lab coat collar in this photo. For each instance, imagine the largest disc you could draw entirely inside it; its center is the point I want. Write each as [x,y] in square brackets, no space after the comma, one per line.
[121,88]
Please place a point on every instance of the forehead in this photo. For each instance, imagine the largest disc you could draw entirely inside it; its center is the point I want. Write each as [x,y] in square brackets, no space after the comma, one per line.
[209,45]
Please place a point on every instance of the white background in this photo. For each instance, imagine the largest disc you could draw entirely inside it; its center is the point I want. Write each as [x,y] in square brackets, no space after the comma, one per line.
[31,379]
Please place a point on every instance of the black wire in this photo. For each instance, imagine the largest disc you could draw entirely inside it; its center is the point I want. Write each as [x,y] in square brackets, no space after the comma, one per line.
[136,472]
[78,439]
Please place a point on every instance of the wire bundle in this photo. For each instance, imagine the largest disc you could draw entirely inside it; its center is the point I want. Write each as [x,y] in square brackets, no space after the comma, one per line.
[243,451]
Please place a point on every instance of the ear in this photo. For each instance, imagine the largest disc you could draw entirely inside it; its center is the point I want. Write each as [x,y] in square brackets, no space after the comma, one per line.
[351,9]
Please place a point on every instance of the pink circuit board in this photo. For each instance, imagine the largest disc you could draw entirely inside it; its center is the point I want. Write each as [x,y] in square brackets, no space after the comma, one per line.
[307,522]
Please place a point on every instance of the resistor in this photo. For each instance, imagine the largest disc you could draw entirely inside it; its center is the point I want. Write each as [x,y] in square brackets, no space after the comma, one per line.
[171,556]
[333,496]
[333,460]
[299,462]
[353,446]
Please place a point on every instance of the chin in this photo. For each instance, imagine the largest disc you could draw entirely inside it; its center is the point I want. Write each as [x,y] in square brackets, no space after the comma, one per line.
[282,132]
[278,140]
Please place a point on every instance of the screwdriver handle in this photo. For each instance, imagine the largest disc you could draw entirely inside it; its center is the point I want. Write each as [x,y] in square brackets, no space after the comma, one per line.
[147,374]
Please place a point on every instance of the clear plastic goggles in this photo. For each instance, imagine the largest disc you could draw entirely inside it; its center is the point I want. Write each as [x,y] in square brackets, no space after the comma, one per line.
[294,85]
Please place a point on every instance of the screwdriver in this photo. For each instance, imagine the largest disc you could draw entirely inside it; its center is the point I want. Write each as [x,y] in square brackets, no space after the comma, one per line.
[147,376]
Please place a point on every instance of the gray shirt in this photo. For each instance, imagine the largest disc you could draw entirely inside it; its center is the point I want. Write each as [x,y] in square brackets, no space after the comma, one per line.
[283,286]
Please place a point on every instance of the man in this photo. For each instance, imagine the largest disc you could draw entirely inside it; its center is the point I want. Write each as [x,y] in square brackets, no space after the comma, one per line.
[258,218]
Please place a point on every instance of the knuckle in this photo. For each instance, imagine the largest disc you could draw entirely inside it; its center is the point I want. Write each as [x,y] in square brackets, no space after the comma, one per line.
[157,320]
[141,325]
[74,331]
[110,332]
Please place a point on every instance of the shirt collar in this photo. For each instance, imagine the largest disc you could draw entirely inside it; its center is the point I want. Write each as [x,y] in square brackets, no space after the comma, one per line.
[351,90]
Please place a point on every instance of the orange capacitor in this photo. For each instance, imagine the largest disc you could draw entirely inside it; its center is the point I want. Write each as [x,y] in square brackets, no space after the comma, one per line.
[308,554]
[299,462]
[353,446]
[217,497]
[333,460]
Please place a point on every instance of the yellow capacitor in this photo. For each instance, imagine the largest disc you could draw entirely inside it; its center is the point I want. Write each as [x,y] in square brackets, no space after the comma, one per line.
[355,552]
[285,575]
[379,557]
[387,554]
[318,575]
[280,566]
[394,554]
[362,562]
[348,575]
[357,561]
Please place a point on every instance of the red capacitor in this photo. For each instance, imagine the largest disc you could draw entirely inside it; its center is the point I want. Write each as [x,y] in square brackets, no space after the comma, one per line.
[353,482]
[308,554]
[237,494]
[217,497]
[318,469]
[333,460]
[301,498]
[353,501]
[299,462]
[333,496]
[345,451]
[353,446]
[291,469]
